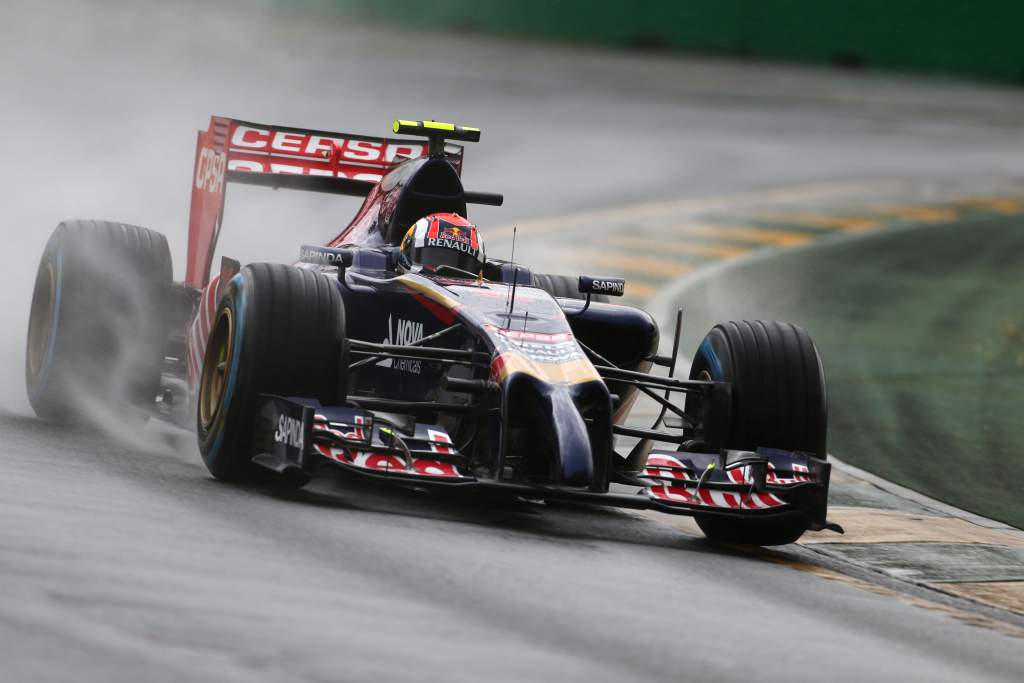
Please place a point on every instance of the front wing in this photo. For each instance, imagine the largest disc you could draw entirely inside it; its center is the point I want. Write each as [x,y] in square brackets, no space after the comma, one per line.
[763,483]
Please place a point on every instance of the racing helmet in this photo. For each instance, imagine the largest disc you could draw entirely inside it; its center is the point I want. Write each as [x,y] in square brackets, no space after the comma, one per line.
[442,239]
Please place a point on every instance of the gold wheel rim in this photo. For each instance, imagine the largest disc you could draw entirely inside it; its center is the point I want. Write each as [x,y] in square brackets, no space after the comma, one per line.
[216,367]
[41,319]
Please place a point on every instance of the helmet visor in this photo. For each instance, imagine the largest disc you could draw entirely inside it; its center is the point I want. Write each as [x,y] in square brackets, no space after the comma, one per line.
[434,257]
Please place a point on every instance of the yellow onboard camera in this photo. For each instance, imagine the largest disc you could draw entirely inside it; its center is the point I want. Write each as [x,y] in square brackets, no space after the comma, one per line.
[437,132]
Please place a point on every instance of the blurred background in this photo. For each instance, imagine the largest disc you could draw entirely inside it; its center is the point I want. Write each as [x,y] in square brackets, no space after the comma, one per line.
[855,168]
[969,38]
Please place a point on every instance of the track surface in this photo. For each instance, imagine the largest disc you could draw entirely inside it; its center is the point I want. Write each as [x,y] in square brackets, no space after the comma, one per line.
[121,559]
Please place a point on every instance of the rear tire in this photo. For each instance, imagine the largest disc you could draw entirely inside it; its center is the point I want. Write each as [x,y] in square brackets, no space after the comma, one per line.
[779,400]
[278,330]
[98,324]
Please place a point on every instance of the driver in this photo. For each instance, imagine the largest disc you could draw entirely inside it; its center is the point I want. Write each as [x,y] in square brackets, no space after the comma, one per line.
[439,240]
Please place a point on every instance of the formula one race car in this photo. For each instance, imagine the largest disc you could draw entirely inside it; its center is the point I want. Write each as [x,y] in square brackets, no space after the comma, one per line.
[485,377]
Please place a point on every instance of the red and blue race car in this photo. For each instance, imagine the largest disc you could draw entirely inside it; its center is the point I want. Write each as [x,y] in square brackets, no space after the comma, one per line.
[486,378]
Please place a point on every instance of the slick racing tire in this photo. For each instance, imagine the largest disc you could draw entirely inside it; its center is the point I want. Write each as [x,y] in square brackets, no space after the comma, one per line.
[278,330]
[564,287]
[98,326]
[779,400]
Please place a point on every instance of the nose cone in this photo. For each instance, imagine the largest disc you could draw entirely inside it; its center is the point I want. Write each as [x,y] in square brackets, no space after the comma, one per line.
[575,460]
[557,433]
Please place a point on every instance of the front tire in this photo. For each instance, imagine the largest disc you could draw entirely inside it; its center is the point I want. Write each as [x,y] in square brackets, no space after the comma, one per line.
[779,400]
[98,323]
[278,330]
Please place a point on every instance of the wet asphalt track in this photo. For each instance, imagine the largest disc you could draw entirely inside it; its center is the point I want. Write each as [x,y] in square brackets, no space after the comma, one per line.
[121,560]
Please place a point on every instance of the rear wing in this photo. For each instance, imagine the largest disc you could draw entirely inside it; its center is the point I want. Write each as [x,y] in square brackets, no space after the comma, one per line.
[278,156]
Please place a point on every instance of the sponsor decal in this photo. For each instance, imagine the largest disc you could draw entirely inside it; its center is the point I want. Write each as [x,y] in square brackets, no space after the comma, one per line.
[250,139]
[539,337]
[385,462]
[301,168]
[435,468]
[613,286]
[379,461]
[610,286]
[322,255]
[403,332]
[454,232]
[289,432]
[543,347]
[458,244]
[210,170]
[546,352]
[713,498]
[492,291]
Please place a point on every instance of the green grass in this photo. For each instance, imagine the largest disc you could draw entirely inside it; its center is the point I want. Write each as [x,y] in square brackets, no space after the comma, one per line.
[922,336]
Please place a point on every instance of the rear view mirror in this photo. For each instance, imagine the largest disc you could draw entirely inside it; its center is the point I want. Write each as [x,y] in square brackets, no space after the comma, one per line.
[611,286]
